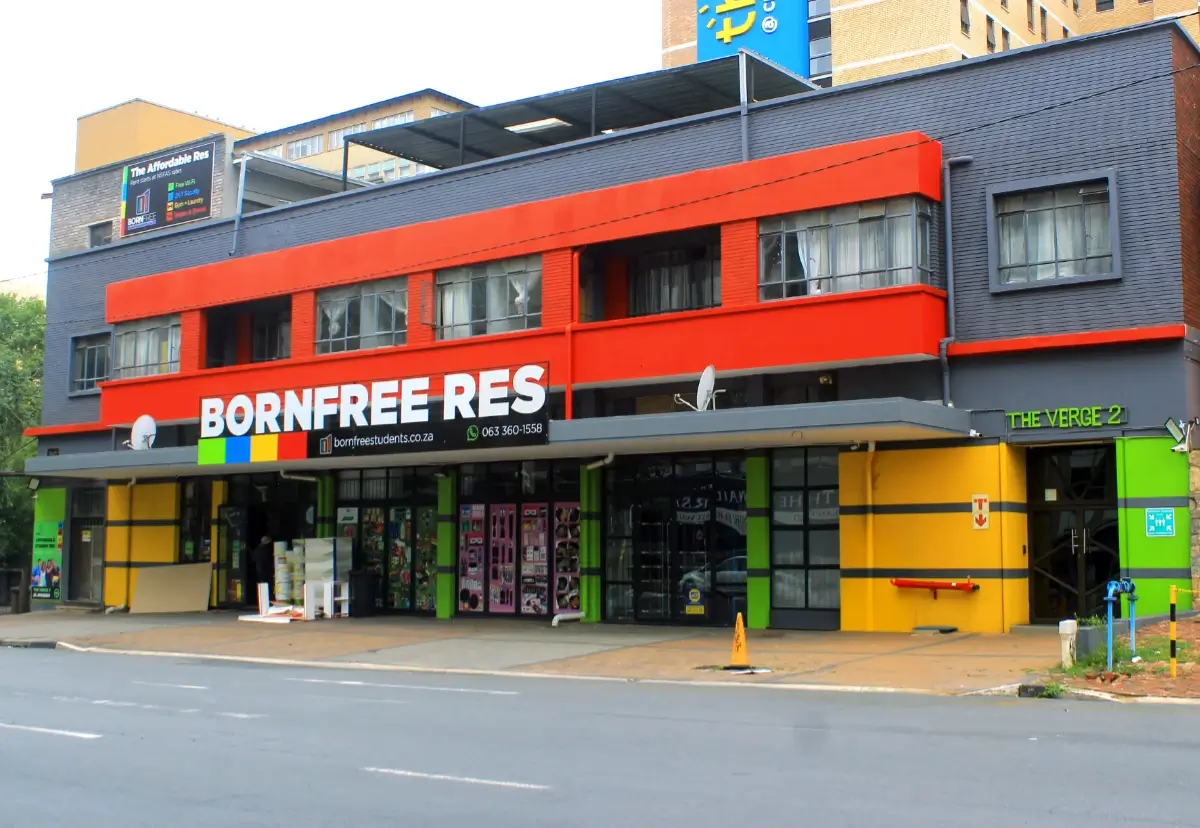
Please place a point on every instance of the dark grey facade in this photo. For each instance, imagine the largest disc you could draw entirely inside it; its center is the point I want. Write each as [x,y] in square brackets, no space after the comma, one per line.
[1053,110]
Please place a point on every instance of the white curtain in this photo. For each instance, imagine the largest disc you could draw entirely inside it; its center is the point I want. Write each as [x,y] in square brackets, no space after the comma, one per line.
[900,254]
[455,308]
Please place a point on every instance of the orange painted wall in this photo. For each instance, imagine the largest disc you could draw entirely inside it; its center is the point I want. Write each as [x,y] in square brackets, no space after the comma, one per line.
[895,165]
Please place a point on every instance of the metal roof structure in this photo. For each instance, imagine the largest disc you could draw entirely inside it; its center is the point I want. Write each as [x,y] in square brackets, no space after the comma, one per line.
[536,123]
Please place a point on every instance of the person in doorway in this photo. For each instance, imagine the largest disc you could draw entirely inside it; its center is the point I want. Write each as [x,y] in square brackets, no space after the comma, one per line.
[263,559]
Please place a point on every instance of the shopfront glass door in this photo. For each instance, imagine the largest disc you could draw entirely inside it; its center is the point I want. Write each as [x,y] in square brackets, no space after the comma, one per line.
[1074,541]
[652,559]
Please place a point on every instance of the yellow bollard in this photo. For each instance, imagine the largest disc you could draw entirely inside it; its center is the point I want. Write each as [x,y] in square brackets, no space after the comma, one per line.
[1174,591]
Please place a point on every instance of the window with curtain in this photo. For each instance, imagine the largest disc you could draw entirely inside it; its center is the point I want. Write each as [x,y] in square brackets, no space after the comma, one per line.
[1054,233]
[147,347]
[855,247]
[669,281]
[495,297]
[361,317]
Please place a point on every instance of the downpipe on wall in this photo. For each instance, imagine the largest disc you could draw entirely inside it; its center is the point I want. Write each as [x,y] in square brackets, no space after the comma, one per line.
[869,485]
[951,332]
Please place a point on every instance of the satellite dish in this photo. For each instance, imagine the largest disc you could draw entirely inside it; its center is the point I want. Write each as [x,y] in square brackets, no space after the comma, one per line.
[141,436]
[706,392]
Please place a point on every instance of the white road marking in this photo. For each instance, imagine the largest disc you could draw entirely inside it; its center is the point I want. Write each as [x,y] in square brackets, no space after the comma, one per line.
[172,686]
[408,687]
[243,715]
[50,732]
[358,700]
[107,703]
[468,780]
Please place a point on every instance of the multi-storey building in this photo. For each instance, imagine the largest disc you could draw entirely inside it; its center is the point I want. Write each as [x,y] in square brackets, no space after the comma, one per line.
[946,343]
[852,40]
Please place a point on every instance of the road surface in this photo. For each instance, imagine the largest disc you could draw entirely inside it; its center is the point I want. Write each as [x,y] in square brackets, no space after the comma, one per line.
[96,740]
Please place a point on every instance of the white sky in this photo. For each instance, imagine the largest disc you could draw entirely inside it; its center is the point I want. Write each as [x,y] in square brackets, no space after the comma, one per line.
[269,65]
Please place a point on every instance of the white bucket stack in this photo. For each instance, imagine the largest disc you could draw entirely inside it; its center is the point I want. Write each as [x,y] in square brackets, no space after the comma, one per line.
[295,563]
[283,573]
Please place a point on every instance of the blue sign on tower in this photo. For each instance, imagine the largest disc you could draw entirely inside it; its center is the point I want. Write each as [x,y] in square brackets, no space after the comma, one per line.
[775,29]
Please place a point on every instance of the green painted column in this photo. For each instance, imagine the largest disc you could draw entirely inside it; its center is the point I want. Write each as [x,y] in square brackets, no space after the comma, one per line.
[1152,477]
[758,542]
[326,493]
[49,530]
[447,545]
[591,482]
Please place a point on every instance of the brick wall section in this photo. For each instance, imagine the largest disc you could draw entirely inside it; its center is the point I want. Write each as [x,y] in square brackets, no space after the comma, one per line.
[421,310]
[739,264]
[304,323]
[1187,127]
[558,276]
[678,28]
[193,341]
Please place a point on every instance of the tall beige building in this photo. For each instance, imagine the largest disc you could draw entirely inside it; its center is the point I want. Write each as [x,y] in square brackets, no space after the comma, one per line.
[852,40]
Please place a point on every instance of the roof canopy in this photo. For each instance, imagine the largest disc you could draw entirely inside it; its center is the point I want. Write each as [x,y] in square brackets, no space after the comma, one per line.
[559,117]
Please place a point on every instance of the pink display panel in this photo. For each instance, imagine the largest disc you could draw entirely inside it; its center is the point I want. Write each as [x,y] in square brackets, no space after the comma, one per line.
[471,538]
[502,558]
[535,559]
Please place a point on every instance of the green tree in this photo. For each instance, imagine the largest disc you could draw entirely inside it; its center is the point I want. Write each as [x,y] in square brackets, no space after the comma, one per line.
[22,340]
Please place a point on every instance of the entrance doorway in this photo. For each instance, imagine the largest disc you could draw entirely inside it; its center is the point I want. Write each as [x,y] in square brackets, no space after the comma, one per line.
[1074,540]
[675,549]
[258,505]
[85,575]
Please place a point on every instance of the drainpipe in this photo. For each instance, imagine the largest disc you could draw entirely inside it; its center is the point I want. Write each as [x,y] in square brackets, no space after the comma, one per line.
[870,492]
[129,546]
[237,219]
[569,385]
[607,461]
[944,345]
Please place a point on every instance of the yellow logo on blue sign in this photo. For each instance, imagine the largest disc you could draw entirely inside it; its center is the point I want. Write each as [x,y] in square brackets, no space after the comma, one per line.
[775,29]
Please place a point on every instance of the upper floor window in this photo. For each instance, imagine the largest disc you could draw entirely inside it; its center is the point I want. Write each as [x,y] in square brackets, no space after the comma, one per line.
[378,171]
[1005,40]
[1029,14]
[393,120]
[820,47]
[817,8]
[1064,230]
[89,361]
[964,16]
[669,281]
[1044,24]
[100,234]
[1105,5]
[495,297]
[272,336]
[147,347]
[312,145]
[436,112]
[275,151]
[855,247]
[337,137]
[359,317]
[991,35]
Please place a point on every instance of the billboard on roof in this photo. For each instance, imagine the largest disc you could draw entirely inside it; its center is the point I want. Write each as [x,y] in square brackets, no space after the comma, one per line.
[775,29]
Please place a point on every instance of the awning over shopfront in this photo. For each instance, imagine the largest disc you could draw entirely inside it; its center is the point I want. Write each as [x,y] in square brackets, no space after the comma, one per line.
[893,420]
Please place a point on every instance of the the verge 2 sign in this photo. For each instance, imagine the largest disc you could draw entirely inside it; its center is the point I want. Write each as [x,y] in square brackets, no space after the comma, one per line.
[489,409]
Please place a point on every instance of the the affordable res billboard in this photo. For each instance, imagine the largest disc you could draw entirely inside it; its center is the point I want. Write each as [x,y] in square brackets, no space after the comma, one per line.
[167,190]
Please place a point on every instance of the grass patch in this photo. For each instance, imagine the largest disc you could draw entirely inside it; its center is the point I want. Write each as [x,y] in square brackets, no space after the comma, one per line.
[1153,649]
[1053,690]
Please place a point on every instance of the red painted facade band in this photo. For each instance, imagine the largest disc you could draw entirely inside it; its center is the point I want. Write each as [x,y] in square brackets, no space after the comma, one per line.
[1068,340]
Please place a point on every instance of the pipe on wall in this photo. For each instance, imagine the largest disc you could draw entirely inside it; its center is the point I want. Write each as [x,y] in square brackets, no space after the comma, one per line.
[237,219]
[869,483]
[568,385]
[951,329]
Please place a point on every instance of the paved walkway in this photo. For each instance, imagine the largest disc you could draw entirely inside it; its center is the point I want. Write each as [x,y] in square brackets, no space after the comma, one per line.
[931,663]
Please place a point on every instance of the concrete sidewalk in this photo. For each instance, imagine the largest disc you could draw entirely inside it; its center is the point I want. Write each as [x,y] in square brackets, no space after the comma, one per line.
[955,663]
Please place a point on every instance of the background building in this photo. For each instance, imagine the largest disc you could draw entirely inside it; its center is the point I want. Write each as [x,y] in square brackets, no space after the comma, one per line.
[852,40]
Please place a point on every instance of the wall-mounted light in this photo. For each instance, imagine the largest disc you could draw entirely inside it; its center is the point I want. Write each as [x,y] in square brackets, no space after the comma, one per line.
[33,484]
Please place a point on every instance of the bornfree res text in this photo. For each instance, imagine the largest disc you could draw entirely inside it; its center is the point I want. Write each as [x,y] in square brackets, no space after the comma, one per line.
[382,403]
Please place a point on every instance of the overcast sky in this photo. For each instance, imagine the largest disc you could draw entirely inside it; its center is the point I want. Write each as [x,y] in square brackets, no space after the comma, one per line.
[268,65]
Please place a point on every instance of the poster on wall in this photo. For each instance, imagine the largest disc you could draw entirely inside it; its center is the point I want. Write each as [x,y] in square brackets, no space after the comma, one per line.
[566,557]
[502,559]
[470,561]
[167,190]
[535,564]
[46,573]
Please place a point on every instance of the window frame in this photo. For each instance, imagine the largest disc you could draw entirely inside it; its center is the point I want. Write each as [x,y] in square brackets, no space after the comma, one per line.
[964,16]
[107,223]
[337,137]
[72,361]
[990,23]
[476,277]
[1005,40]
[316,139]
[360,292]
[171,324]
[806,528]
[995,191]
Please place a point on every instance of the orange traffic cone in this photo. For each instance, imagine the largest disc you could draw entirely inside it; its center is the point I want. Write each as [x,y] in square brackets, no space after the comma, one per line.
[739,659]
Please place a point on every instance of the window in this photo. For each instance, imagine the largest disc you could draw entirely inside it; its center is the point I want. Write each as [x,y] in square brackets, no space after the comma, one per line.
[1043,15]
[305,147]
[195,521]
[1054,230]
[147,348]
[964,15]
[1004,4]
[393,120]
[272,336]
[89,361]
[820,48]
[275,151]
[495,297]
[100,234]
[817,8]
[805,555]
[1005,40]
[1066,32]
[1029,13]
[669,281]
[991,35]
[1104,5]
[855,247]
[359,317]
[436,112]
[337,137]
[1075,6]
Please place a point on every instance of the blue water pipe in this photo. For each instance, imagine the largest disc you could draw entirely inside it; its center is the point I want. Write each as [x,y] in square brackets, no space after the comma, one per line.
[1116,589]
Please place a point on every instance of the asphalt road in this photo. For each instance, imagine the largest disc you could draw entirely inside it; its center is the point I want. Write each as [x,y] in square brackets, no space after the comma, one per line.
[95,740]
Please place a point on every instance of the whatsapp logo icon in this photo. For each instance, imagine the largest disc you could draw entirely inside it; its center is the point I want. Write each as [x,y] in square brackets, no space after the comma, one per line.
[472,433]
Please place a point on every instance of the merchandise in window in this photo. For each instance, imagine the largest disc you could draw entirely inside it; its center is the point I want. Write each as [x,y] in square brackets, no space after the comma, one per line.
[147,348]
[361,317]
[855,247]
[1054,233]
[495,297]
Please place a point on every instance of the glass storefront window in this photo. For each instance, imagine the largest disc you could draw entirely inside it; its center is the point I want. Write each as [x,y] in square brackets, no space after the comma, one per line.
[805,537]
